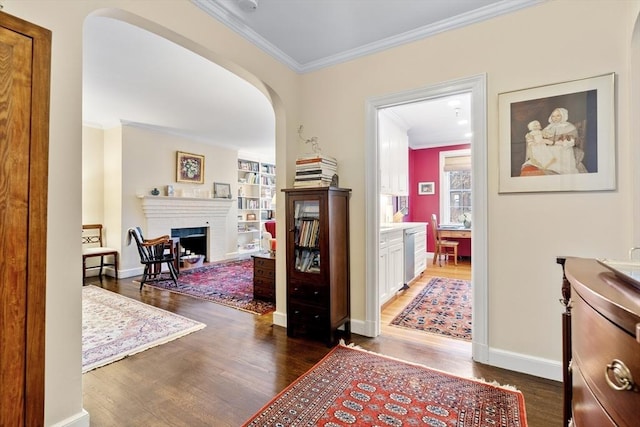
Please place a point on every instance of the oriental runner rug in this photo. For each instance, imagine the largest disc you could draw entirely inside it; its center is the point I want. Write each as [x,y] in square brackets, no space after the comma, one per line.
[355,387]
[228,283]
[114,327]
[442,307]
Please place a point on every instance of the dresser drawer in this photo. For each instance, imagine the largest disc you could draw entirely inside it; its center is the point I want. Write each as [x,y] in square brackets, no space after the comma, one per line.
[308,318]
[316,294]
[264,290]
[259,272]
[597,343]
[586,410]
[264,263]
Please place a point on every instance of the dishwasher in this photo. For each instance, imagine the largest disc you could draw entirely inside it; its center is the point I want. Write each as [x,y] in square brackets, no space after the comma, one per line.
[409,256]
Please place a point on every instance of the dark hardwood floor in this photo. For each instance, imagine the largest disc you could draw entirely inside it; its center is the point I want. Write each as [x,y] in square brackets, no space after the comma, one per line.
[221,375]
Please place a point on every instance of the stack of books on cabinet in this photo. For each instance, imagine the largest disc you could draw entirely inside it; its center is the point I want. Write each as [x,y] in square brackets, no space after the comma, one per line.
[315,170]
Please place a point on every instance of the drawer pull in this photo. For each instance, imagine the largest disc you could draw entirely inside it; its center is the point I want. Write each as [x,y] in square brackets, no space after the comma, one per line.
[622,376]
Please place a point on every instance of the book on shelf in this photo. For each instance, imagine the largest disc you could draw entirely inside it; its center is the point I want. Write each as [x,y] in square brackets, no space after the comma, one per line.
[316,166]
[312,183]
[315,176]
[302,173]
[315,157]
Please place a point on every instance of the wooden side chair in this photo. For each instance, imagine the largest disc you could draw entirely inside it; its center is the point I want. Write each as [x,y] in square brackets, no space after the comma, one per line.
[153,253]
[444,248]
[92,247]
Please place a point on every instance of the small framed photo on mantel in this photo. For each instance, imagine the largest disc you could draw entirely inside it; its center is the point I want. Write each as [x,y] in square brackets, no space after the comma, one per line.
[221,191]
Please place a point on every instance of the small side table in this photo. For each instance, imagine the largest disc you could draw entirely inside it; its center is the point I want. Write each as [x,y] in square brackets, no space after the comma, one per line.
[264,277]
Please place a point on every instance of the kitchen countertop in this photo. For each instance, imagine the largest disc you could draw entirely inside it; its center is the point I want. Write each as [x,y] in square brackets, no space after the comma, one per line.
[391,226]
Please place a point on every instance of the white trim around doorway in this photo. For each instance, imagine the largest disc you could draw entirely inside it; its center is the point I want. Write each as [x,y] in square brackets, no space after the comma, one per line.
[476,85]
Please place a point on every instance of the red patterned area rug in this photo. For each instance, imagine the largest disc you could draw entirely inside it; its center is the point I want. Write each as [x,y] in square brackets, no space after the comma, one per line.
[442,307]
[228,283]
[355,387]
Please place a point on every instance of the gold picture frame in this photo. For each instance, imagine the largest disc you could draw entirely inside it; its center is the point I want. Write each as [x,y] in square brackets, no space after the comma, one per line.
[189,168]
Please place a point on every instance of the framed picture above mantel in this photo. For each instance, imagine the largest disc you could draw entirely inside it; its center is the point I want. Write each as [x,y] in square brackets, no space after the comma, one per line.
[189,168]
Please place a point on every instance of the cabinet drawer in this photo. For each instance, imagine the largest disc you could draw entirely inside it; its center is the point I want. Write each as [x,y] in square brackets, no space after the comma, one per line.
[455,234]
[309,292]
[263,264]
[263,283]
[586,410]
[596,343]
[264,273]
[308,318]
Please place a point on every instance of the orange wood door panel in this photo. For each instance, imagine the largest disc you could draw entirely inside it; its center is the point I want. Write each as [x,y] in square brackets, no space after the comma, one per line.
[25,56]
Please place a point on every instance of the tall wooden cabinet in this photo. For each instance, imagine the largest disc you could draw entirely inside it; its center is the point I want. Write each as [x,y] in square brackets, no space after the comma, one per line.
[317,255]
[25,63]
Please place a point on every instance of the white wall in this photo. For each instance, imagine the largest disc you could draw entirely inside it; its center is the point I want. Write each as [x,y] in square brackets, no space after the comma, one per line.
[138,160]
[552,42]
[92,176]
[525,231]
[183,23]
[149,161]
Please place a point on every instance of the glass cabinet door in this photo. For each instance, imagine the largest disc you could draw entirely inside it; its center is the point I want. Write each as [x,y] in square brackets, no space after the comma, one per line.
[306,235]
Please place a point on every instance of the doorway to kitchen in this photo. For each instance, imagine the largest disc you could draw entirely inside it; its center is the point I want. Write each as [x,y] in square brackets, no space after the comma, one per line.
[475,86]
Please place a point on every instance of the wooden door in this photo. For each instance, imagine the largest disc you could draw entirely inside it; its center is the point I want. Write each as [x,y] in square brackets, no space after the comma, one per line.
[25,57]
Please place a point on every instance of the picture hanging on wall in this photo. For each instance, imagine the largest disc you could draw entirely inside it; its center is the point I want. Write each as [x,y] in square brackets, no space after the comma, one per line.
[559,137]
[426,188]
[189,168]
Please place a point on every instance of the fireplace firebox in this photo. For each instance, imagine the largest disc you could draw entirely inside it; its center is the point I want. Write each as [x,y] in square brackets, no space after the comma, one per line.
[193,240]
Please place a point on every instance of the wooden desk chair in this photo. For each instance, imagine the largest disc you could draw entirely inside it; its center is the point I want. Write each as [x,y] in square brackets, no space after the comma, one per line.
[443,247]
[92,247]
[153,253]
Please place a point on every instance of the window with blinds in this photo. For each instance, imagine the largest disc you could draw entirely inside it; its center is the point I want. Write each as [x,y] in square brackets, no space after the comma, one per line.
[455,186]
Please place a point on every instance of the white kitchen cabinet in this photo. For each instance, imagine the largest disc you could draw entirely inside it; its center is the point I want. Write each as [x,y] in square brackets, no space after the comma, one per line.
[390,265]
[393,143]
[420,254]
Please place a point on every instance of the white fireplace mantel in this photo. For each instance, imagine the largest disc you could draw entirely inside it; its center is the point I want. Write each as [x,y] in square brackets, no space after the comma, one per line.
[164,213]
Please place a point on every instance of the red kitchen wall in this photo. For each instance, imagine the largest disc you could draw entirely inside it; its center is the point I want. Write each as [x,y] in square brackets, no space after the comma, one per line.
[424,166]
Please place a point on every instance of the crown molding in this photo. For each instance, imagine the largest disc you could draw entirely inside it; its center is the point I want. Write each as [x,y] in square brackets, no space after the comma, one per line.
[229,19]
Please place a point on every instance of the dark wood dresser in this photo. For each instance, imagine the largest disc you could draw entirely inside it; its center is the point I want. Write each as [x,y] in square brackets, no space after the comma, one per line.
[601,346]
[264,277]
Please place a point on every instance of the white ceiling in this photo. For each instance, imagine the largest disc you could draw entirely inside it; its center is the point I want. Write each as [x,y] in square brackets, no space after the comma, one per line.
[133,76]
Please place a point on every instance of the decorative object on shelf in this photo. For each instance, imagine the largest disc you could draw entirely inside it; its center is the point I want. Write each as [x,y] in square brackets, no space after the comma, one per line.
[315,147]
[189,168]
[170,192]
[559,137]
[466,219]
[426,188]
[251,217]
[155,192]
[221,191]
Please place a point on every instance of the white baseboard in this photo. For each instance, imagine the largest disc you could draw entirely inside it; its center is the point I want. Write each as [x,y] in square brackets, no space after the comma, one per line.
[81,419]
[537,366]
[131,272]
[280,319]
